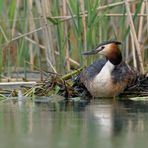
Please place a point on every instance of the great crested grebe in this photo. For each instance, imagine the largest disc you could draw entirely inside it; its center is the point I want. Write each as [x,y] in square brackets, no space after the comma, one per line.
[107,77]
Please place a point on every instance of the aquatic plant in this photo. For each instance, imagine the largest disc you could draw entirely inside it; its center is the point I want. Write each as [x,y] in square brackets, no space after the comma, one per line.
[52,34]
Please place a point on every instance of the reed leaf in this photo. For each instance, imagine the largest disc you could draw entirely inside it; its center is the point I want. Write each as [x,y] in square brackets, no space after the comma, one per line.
[88,22]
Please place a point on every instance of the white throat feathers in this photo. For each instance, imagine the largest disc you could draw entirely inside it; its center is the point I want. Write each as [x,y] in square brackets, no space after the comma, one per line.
[102,82]
[105,72]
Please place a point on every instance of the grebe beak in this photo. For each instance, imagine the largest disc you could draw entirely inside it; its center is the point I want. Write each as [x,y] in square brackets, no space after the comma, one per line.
[94,51]
[100,47]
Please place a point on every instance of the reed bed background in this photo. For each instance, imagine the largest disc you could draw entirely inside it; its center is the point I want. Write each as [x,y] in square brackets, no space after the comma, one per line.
[50,35]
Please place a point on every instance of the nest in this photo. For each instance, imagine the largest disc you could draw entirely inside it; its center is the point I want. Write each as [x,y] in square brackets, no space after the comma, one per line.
[139,88]
[69,86]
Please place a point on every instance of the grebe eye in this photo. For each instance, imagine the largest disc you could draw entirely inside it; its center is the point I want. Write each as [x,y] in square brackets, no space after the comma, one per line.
[102,47]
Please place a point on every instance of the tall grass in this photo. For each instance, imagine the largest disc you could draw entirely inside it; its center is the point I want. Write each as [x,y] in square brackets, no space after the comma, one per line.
[72,27]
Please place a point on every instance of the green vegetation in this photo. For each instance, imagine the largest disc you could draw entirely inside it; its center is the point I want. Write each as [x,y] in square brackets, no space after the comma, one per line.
[50,35]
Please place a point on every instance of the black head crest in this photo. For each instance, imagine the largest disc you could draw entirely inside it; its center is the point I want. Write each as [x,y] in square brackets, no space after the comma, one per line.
[109,42]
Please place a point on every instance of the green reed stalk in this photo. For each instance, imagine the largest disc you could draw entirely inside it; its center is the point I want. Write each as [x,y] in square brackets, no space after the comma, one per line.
[60,39]
[97,28]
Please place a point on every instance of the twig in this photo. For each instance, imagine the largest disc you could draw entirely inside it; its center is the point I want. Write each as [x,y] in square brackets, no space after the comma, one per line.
[21,36]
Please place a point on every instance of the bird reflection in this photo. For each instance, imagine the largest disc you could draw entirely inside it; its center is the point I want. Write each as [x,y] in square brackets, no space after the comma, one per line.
[121,116]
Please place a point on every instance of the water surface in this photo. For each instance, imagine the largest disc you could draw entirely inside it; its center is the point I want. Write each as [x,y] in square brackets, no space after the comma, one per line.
[102,123]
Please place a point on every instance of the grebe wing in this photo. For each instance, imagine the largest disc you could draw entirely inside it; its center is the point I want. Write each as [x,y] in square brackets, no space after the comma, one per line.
[123,72]
[92,70]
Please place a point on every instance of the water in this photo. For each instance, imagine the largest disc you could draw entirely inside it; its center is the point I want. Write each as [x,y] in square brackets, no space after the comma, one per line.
[102,123]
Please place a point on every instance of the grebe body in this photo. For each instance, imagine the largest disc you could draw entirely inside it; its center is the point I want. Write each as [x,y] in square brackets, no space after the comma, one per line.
[107,77]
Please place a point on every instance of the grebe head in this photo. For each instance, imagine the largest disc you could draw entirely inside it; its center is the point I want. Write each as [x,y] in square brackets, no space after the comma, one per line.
[110,50]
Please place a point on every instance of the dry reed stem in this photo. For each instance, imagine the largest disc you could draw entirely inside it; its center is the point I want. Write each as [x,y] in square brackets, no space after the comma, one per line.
[119,15]
[111,5]
[21,36]
[3,33]
[146,5]
[33,42]
[31,27]
[46,36]
[56,52]
[114,4]
[66,35]
[84,13]
[70,59]
[129,17]
[141,23]
[141,20]
[133,51]
[127,48]
[84,24]
[46,8]
[68,17]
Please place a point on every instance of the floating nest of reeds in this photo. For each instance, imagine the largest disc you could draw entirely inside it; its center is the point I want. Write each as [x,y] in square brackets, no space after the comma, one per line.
[65,86]
[68,87]
[139,88]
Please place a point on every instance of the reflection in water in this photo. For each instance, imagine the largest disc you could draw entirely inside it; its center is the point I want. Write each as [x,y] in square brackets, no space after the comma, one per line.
[102,123]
